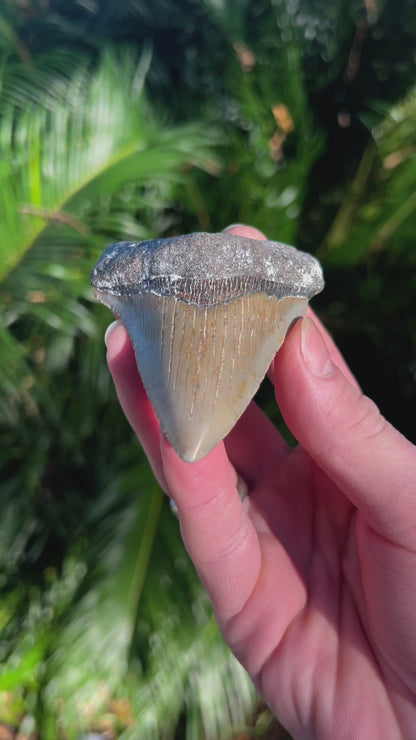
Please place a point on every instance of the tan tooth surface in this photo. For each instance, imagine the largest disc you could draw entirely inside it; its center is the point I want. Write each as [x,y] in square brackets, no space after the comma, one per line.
[202,365]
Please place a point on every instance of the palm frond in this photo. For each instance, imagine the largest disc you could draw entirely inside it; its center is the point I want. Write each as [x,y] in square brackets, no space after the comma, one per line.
[78,172]
[101,139]
[156,647]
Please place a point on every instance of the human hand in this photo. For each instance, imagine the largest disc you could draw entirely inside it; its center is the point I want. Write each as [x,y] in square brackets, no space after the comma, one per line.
[313,576]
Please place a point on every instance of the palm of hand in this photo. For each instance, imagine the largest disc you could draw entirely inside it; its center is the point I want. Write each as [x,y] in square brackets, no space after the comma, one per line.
[326,648]
[313,577]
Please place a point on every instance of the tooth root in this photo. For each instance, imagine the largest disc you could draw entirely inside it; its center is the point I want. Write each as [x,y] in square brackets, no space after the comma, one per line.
[202,365]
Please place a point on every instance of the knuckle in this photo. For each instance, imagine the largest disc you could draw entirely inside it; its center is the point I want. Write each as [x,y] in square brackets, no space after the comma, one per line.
[367,421]
[230,545]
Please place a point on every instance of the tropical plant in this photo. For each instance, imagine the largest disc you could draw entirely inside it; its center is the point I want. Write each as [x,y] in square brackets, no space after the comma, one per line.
[370,265]
[103,624]
[87,162]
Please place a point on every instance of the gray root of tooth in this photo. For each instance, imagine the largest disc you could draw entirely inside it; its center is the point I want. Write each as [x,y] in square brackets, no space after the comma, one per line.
[202,360]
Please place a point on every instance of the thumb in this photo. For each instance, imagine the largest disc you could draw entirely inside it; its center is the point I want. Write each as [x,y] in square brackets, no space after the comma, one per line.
[344,432]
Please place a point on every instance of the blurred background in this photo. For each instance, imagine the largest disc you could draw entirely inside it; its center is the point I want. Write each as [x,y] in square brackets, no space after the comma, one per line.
[144,118]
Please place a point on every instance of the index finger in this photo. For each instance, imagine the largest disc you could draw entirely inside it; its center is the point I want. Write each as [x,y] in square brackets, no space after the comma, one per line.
[218,534]
[133,397]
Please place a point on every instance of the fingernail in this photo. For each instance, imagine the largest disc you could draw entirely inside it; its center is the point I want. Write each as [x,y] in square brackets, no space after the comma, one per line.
[234,226]
[314,351]
[173,507]
[110,329]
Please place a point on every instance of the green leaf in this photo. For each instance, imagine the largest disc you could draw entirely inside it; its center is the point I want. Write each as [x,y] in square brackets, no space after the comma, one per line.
[378,212]
[129,639]
[88,147]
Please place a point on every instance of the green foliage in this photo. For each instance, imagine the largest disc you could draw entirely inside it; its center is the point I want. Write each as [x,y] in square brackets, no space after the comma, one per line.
[378,210]
[370,266]
[275,144]
[87,163]
[125,121]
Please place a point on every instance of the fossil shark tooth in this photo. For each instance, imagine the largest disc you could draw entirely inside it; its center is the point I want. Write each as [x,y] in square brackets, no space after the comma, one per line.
[206,314]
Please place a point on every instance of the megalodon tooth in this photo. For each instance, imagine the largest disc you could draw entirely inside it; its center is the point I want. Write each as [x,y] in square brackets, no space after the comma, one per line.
[206,314]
